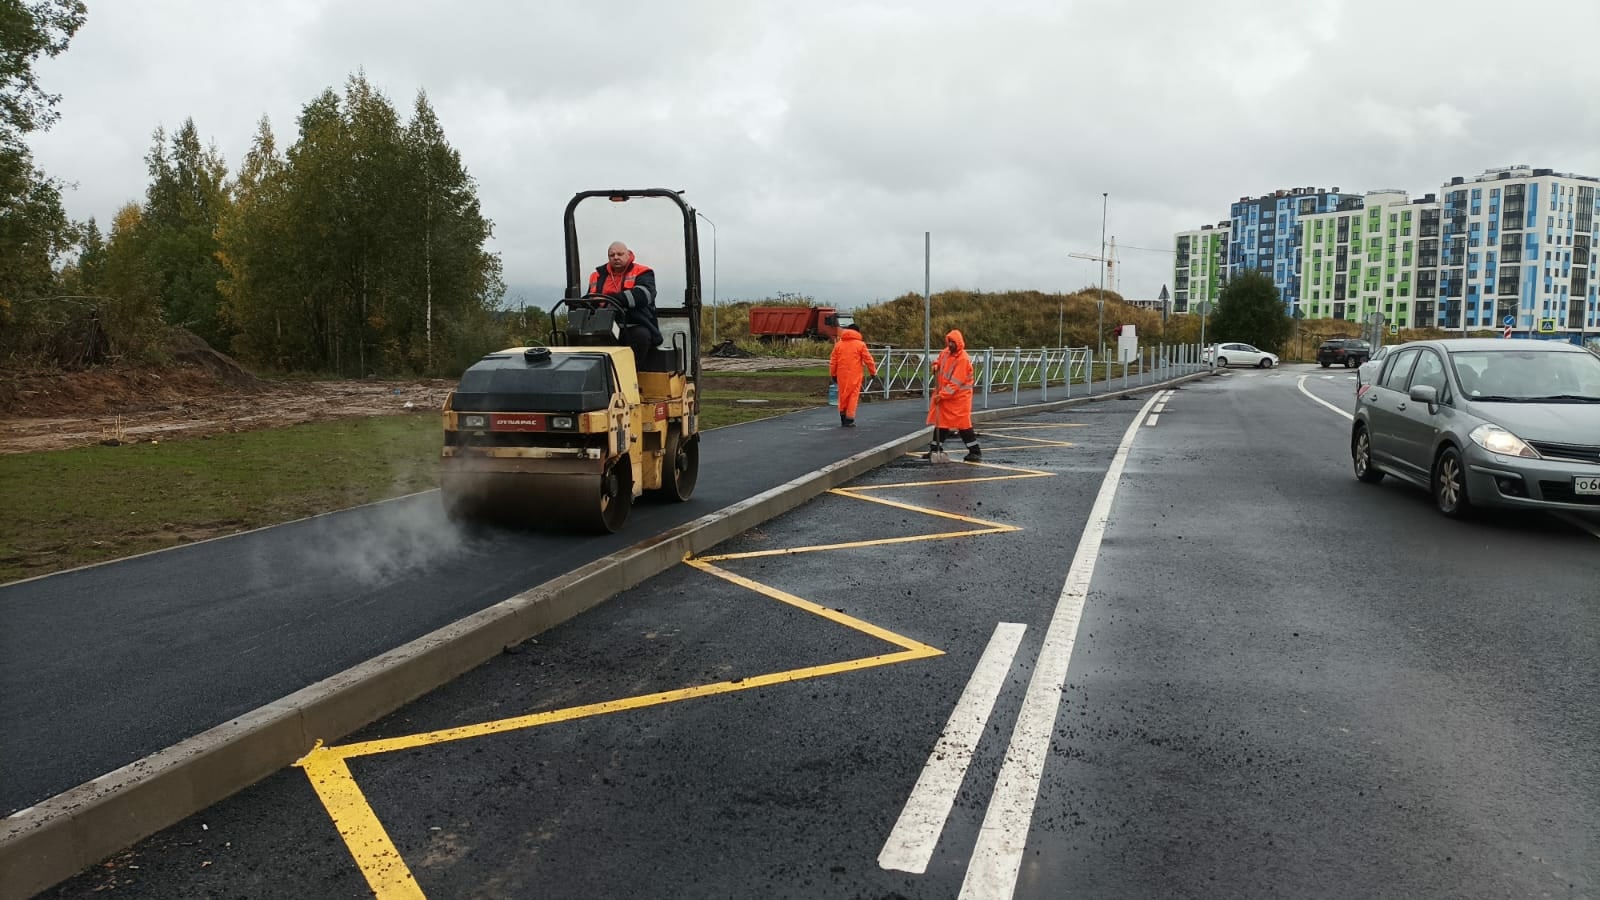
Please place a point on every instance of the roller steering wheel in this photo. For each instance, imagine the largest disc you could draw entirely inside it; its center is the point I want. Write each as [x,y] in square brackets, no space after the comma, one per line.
[599,301]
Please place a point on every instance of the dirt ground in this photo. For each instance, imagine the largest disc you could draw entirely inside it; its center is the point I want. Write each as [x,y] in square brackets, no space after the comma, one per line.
[209,394]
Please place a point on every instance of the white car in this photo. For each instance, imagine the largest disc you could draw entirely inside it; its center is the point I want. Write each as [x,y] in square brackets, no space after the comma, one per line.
[1368,373]
[1240,355]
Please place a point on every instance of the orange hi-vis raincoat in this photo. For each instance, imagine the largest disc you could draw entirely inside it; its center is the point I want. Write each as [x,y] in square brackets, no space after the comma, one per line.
[849,360]
[951,406]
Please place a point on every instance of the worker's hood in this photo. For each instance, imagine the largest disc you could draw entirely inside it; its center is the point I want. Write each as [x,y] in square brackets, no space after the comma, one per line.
[849,334]
[955,335]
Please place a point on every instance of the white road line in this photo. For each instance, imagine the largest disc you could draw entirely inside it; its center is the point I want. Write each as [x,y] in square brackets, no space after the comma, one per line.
[1151,422]
[1302,386]
[1004,834]
[911,843]
[1161,408]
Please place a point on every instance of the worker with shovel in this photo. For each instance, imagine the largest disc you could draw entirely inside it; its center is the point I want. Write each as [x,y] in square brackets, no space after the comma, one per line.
[951,406]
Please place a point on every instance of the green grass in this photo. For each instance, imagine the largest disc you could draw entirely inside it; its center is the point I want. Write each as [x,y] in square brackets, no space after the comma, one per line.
[67,508]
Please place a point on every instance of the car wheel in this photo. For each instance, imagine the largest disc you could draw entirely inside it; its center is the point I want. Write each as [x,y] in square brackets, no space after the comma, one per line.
[1222,361]
[1361,457]
[1450,484]
[1324,364]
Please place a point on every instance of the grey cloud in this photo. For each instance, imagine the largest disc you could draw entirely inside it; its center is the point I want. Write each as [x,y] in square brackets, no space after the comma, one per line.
[825,138]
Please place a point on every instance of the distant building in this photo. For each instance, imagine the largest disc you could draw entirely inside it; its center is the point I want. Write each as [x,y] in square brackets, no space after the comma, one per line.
[1369,256]
[1515,243]
[1262,234]
[1200,266]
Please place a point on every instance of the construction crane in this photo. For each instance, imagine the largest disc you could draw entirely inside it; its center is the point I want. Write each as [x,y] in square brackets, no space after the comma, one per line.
[1110,260]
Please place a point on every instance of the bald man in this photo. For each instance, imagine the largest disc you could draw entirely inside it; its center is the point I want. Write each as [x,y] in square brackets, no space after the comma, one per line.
[634,287]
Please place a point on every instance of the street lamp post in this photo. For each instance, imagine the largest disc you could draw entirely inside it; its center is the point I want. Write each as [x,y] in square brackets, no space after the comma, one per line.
[713,274]
[1104,200]
[927,309]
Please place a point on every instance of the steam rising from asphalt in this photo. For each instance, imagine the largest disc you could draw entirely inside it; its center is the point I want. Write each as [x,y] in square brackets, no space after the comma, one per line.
[391,541]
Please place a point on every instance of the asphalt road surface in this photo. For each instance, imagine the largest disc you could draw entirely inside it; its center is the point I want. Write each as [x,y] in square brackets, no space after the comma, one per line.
[1211,664]
[102,666]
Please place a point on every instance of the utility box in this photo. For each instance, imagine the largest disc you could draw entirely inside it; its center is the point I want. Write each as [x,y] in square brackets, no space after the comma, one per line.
[1127,344]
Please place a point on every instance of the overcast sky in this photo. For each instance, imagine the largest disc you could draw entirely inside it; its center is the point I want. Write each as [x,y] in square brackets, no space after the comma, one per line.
[824,139]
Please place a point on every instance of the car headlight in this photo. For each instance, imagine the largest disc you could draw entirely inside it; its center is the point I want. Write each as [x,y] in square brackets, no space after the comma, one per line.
[474,421]
[561,423]
[1495,439]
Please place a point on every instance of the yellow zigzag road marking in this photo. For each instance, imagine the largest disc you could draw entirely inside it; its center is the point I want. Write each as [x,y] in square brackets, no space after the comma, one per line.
[368,841]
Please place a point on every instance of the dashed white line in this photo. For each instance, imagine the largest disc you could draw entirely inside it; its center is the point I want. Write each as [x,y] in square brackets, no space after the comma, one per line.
[911,843]
[1004,834]
[1151,422]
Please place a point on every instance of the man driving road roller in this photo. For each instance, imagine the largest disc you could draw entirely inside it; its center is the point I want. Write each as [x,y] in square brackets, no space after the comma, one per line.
[633,286]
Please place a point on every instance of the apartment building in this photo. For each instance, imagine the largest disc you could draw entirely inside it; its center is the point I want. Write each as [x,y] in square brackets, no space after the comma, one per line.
[1516,243]
[1261,236]
[1376,254]
[1513,244]
[1200,267]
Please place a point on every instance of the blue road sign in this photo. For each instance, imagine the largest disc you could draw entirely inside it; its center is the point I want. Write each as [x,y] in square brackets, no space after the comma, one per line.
[1508,321]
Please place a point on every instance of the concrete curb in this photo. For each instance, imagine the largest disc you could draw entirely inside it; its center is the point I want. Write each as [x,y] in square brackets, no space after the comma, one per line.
[48,843]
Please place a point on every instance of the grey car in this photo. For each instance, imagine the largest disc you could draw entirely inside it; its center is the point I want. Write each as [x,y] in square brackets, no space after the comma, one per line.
[1485,423]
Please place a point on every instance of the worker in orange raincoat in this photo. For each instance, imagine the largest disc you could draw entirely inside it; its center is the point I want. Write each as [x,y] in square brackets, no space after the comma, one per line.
[850,358]
[951,408]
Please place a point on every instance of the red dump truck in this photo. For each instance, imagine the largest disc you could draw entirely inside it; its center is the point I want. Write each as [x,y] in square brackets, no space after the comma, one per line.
[774,323]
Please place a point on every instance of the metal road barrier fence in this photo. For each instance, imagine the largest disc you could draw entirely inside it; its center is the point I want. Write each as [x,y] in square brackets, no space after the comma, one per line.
[905,370]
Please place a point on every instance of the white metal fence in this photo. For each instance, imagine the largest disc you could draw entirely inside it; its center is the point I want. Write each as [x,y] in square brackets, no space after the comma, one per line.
[1012,371]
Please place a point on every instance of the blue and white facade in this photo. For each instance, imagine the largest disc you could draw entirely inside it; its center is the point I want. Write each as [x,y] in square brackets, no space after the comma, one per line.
[1262,234]
[1518,243]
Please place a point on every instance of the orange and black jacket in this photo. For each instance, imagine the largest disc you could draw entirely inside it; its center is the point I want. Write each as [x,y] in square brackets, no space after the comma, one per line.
[636,289]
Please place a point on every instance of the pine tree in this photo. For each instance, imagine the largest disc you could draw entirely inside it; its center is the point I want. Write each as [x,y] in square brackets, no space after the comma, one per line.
[185,203]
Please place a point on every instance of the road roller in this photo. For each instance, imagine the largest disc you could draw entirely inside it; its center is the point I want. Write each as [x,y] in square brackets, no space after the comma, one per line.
[572,432]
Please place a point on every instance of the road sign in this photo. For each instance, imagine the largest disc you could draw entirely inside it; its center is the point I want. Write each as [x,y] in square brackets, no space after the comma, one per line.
[1394,329]
[1507,332]
[1508,321]
[1547,326]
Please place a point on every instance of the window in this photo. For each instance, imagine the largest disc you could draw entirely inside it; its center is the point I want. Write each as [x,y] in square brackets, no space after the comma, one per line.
[1399,369]
[1429,372]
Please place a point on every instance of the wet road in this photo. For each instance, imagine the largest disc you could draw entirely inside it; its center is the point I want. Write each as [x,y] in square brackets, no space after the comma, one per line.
[1277,682]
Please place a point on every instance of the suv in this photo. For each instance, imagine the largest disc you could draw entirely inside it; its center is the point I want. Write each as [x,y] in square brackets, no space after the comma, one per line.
[1346,352]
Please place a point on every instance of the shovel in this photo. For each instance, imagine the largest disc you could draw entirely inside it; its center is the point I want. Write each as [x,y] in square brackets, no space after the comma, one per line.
[936,452]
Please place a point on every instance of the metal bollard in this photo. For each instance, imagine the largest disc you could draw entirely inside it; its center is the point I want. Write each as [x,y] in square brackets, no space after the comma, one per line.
[988,374]
[1016,379]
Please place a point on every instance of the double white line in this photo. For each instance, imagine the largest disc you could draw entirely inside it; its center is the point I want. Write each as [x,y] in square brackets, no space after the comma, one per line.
[997,858]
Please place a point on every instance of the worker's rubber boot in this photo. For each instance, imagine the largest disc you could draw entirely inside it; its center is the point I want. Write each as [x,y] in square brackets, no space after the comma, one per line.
[974,453]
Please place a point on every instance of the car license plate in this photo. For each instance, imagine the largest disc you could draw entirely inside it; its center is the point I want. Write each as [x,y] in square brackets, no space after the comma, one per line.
[1587,486]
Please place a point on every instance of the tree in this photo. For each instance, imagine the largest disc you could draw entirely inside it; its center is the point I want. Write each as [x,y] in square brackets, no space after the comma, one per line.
[33,228]
[1250,311]
[362,248]
[132,304]
[27,31]
[184,205]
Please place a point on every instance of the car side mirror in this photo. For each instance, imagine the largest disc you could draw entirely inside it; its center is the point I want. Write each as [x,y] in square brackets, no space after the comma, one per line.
[1425,393]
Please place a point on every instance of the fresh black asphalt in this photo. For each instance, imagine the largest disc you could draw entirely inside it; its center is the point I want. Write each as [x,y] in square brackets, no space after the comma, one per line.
[1285,683]
[102,666]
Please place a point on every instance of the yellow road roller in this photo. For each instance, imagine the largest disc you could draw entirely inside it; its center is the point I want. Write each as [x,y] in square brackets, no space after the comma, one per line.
[574,431]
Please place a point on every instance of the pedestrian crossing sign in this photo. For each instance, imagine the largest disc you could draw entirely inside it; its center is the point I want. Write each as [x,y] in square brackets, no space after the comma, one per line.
[1547,326]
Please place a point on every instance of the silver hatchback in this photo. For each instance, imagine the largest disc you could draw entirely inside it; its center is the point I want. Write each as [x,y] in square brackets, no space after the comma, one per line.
[1485,422]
